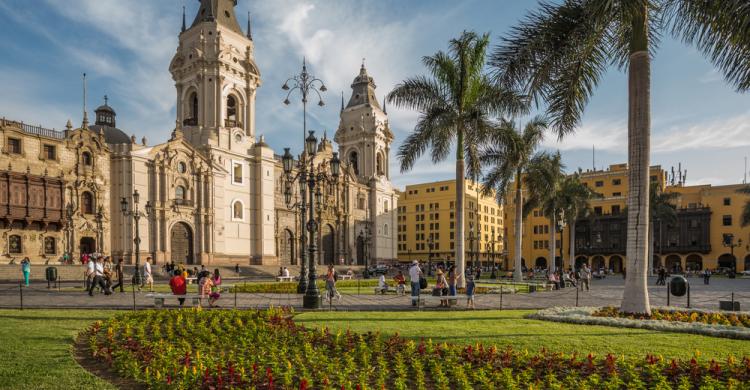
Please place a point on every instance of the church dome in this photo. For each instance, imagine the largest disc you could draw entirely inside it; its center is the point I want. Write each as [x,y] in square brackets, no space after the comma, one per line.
[105,123]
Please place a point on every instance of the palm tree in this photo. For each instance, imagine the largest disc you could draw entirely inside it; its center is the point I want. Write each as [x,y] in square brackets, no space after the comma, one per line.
[559,53]
[543,182]
[575,198]
[662,211]
[507,156]
[456,105]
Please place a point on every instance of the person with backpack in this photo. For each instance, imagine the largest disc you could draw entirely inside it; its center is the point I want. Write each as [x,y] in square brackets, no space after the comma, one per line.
[26,270]
[331,277]
[415,278]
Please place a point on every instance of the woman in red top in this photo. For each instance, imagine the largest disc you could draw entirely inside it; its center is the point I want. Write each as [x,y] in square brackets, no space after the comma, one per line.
[178,286]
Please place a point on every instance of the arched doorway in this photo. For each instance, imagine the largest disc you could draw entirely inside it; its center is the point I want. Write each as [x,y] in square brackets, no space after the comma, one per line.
[181,243]
[728,261]
[580,261]
[540,262]
[360,250]
[673,263]
[597,263]
[747,263]
[523,264]
[88,245]
[615,264]
[694,262]
[286,248]
[328,252]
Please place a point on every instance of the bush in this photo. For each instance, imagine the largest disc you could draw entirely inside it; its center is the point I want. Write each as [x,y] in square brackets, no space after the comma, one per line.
[689,316]
[266,349]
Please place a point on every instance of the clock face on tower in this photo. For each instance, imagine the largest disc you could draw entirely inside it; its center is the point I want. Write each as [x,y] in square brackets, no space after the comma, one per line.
[237,137]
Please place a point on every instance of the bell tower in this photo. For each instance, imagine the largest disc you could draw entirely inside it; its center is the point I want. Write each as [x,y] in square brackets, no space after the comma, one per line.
[215,77]
[364,135]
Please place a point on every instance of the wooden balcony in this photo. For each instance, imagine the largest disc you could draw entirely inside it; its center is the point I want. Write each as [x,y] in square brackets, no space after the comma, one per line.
[30,199]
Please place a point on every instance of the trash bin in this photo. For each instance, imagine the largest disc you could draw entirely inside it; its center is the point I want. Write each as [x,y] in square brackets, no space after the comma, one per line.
[678,286]
[51,274]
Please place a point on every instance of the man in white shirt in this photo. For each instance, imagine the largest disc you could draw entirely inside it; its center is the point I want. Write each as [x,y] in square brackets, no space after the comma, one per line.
[89,273]
[414,275]
[98,277]
[285,273]
[585,277]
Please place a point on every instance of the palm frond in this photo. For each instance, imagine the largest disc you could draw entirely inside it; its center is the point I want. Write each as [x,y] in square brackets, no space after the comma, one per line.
[419,93]
[720,30]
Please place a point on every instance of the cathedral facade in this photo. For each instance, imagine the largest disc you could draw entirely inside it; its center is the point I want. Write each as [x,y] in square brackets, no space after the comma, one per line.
[214,190]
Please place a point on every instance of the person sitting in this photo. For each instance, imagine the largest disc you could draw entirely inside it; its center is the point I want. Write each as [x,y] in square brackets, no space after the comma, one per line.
[400,283]
[382,285]
[178,286]
[285,272]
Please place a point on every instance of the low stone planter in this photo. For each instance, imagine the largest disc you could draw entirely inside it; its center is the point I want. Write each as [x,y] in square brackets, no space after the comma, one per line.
[583,315]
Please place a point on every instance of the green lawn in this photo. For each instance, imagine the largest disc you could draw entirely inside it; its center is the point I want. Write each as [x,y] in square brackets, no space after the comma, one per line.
[509,327]
[35,349]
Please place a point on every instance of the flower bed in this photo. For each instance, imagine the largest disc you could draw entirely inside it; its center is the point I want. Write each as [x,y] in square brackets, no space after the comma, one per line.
[267,350]
[681,315]
[588,316]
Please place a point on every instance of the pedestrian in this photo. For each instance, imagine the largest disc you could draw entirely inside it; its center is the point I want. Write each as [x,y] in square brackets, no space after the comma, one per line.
[120,277]
[26,270]
[661,277]
[148,278]
[470,286]
[331,284]
[178,285]
[285,272]
[98,279]
[441,288]
[452,279]
[215,287]
[382,285]
[206,285]
[415,275]
[585,277]
[88,273]
[706,276]
[237,269]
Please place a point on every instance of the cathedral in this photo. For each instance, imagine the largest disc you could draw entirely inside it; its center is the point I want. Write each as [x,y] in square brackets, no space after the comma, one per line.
[214,192]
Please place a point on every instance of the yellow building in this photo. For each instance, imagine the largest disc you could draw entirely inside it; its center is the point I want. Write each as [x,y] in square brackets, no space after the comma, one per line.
[426,214]
[705,216]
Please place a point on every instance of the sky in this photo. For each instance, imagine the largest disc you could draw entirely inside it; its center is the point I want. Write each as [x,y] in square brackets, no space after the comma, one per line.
[125,47]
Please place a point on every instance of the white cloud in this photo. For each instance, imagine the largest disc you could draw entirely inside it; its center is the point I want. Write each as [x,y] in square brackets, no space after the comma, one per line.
[602,134]
[732,132]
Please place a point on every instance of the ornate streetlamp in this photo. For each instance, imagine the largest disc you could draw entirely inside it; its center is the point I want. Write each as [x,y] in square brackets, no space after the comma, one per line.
[136,214]
[305,83]
[471,243]
[430,246]
[729,243]
[364,236]
[314,180]
[99,218]
[560,227]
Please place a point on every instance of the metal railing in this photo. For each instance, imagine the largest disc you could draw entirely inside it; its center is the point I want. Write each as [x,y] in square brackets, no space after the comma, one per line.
[36,130]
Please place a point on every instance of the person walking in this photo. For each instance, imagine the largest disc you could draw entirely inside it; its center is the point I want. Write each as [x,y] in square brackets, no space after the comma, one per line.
[661,277]
[470,287]
[148,278]
[206,286]
[415,274]
[98,279]
[178,285]
[452,279]
[88,273]
[120,278]
[585,277]
[26,270]
[331,284]
[706,276]
[441,287]
[400,283]
[215,288]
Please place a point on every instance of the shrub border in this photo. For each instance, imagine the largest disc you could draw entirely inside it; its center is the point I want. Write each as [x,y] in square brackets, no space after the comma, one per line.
[583,316]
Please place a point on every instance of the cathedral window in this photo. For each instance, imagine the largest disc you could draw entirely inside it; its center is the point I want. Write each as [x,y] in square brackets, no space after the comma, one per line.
[181,167]
[379,164]
[237,173]
[354,161]
[50,246]
[192,117]
[232,112]
[87,203]
[179,193]
[50,152]
[14,145]
[237,211]
[14,244]
[86,159]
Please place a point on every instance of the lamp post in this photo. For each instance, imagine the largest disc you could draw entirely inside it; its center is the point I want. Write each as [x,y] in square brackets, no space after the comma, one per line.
[560,226]
[430,247]
[136,214]
[729,243]
[69,229]
[314,181]
[471,243]
[99,218]
[305,83]
[364,236]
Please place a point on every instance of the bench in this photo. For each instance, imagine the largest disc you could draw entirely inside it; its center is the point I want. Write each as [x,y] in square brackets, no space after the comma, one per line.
[159,298]
[285,278]
[346,277]
[452,299]
[388,289]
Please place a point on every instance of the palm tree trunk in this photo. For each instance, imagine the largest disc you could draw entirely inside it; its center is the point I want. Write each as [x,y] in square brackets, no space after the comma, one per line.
[635,296]
[572,243]
[460,209]
[552,244]
[517,273]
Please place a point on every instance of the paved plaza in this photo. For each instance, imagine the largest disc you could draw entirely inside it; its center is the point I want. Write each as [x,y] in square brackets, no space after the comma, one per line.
[603,293]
